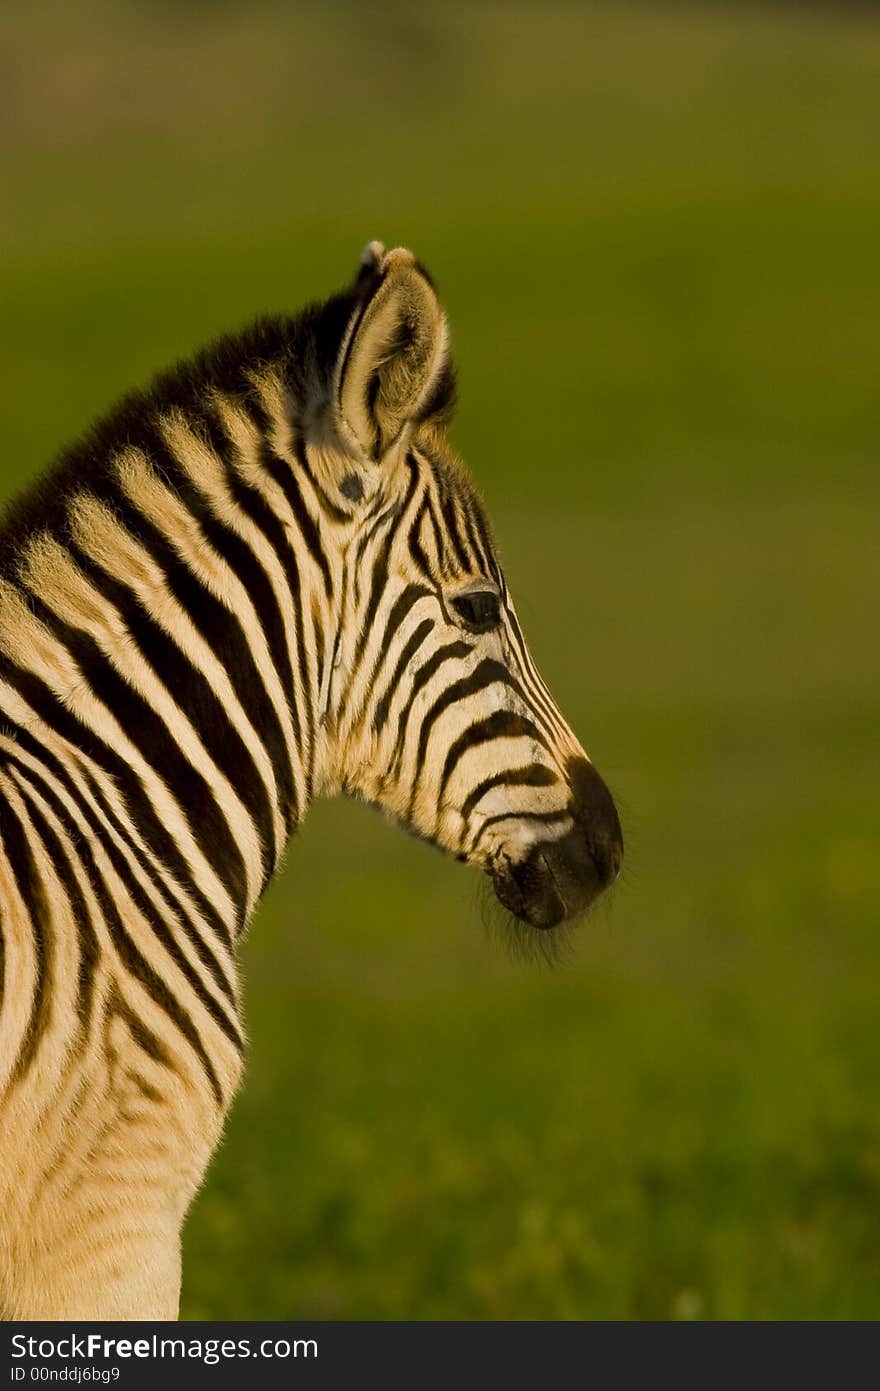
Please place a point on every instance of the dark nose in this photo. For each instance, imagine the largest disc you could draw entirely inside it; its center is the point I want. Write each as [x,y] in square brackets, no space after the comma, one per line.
[559,879]
[595,817]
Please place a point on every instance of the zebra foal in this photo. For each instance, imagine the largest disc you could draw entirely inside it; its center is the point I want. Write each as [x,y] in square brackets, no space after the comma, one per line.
[264,579]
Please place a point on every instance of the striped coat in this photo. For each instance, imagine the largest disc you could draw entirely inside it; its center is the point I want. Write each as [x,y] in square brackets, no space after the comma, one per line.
[264,579]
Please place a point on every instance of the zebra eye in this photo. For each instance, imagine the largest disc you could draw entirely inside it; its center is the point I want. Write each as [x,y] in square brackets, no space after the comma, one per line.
[480,611]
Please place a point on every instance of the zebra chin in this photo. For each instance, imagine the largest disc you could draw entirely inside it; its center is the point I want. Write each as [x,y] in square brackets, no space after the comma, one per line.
[556,881]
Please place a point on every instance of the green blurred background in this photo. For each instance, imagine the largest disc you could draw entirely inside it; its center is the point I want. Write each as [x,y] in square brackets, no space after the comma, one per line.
[656,229]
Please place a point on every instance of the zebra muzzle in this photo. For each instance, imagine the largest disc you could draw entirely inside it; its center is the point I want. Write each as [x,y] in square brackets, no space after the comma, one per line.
[560,879]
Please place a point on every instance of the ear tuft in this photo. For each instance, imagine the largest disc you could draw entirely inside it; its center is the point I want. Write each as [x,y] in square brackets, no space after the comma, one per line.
[394,351]
[372,255]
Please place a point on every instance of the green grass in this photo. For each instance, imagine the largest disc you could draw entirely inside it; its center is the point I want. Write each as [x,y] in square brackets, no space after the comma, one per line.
[655,228]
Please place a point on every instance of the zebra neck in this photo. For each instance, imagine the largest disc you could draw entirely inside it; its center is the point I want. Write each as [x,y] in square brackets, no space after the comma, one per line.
[162,651]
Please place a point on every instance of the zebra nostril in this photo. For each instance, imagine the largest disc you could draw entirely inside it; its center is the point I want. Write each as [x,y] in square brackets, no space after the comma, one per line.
[607,857]
[616,858]
[595,814]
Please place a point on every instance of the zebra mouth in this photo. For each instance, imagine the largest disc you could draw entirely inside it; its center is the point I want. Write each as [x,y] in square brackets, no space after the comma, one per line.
[529,891]
[556,880]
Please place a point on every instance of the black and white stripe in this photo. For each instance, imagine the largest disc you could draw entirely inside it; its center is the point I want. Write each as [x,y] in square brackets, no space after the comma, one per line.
[244,588]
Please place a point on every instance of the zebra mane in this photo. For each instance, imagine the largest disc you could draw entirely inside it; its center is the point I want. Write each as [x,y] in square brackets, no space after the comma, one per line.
[303,346]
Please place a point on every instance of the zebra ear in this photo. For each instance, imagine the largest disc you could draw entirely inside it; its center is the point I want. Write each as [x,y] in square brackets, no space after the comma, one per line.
[394,351]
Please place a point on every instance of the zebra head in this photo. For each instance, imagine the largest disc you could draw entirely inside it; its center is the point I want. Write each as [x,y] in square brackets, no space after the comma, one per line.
[433,709]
